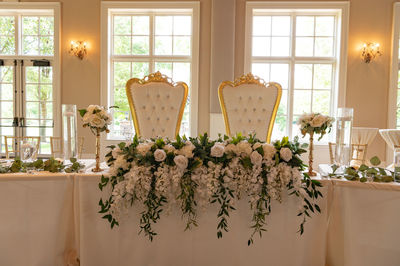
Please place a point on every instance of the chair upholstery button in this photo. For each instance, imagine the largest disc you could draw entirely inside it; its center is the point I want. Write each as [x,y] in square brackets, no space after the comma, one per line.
[144,107]
[158,95]
[163,130]
[249,97]
[167,96]
[148,118]
[245,109]
[162,108]
[249,120]
[158,119]
[153,130]
[254,109]
[260,98]
[167,118]
[240,97]
[154,107]
[263,109]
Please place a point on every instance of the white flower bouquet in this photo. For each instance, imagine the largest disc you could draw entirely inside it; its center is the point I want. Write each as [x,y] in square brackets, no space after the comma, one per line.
[198,172]
[96,118]
[315,123]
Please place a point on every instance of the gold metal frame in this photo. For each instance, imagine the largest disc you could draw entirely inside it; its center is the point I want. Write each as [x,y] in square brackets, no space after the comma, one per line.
[52,146]
[156,77]
[249,79]
[16,148]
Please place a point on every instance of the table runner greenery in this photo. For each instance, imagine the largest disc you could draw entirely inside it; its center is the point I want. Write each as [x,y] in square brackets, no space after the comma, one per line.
[196,172]
[52,165]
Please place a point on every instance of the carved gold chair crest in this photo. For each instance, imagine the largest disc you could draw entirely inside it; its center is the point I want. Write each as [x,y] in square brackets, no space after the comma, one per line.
[157,104]
[249,105]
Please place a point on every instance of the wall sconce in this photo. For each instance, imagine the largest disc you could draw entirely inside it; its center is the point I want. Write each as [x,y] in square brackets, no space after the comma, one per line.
[78,48]
[370,51]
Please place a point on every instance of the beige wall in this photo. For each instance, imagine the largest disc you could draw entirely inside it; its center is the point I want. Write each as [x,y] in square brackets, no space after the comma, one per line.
[367,85]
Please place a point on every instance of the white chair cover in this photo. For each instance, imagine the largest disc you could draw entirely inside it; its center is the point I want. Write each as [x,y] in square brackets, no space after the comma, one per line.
[157,105]
[363,135]
[391,136]
[249,105]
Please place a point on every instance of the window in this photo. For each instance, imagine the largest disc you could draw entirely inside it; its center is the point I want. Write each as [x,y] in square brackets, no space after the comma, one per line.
[394,92]
[29,72]
[300,46]
[145,38]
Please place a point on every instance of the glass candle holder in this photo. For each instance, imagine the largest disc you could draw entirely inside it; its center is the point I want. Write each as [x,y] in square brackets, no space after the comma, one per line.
[70,140]
[344,124]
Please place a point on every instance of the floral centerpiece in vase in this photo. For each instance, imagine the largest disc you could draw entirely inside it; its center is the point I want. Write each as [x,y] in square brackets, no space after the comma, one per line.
[314,123]
[97,119]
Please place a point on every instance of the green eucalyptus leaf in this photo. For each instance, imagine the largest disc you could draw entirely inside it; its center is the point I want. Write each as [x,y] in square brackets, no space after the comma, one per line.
[375,161]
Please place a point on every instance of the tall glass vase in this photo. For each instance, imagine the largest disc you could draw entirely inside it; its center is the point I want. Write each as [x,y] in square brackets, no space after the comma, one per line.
[70,140]
[310,156]
[97,168]
[344,124]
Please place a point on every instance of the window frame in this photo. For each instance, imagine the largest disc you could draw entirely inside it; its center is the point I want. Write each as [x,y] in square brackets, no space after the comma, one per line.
[39,9]
[338,90]
[108,8]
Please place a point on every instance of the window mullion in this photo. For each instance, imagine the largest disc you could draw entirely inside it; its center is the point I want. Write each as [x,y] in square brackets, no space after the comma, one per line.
[151,45]
[291,78]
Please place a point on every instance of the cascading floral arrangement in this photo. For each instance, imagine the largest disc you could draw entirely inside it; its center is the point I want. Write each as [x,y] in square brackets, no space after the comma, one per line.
[197,172]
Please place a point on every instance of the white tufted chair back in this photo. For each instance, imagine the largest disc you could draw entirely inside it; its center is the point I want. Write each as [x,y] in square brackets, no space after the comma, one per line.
[157,105]
[249,105]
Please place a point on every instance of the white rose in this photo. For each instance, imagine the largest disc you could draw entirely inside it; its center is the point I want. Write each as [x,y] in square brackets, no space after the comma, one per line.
[256,145]
[230,148]
[217,150]
[115,152]
[160,155]
[318,121]
[97,122]
[269,151]
[181,161]
[91,108]
[286,154]
[187,150]
[143,148]
[169,148]
[256,158]
[244,147]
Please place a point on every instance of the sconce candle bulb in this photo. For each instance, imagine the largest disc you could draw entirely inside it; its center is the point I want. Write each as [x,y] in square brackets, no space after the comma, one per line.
[78,48]
[370,51]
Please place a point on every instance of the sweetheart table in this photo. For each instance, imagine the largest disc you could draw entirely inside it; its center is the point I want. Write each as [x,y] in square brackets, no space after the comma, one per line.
[45,216]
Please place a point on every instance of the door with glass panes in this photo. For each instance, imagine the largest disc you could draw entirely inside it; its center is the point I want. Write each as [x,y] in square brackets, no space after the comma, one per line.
[27,83]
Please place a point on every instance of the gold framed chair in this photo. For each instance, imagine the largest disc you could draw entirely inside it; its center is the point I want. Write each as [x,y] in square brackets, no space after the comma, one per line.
[249,104]
[56,146]
[358,153]
[15,145]
[157,104]
[81,141]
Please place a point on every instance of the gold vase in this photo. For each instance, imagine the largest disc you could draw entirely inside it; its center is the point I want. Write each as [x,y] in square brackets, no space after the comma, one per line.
[310,156]
[97,168]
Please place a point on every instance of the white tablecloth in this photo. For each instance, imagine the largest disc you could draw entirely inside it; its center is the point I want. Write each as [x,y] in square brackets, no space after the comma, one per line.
[43,216]
[36,219]
[281,245]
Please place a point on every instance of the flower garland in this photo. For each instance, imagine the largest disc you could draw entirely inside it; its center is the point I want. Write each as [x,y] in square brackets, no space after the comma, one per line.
[196,172]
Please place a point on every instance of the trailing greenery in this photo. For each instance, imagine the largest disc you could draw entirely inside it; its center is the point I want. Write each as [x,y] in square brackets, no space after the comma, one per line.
[368,173]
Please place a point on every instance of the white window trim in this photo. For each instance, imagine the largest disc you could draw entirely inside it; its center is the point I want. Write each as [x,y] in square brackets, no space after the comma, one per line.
[56,62]
[343,20]
[394,69]
[107,7]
